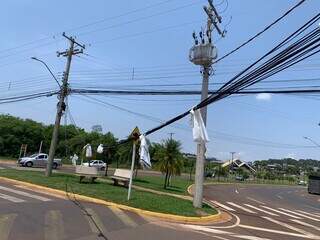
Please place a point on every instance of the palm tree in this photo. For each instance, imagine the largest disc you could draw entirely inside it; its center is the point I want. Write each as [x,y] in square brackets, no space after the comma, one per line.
[169,159]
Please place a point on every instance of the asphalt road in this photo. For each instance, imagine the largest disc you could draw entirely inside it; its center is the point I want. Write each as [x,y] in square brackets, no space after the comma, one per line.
[30,215]
[262,212]
[259,212]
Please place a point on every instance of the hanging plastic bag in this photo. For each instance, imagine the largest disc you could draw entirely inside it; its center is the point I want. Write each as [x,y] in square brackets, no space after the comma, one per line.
[100,148]
[144,152]
[199,130]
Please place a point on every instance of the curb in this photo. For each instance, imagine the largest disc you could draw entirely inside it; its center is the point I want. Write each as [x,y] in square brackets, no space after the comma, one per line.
[163,216]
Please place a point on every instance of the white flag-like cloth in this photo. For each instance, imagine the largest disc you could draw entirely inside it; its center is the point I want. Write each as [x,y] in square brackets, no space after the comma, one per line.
[100,148]
[199,130]
[144,152]
[88,150]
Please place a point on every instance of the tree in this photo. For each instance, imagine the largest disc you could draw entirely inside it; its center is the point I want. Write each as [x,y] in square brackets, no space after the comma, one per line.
[169,159]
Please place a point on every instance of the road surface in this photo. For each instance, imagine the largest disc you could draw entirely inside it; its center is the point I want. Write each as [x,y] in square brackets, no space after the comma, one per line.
[30,215]
[259,212]
[262,212]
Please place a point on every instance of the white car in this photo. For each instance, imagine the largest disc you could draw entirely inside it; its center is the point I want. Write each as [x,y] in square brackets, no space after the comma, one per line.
[101,165]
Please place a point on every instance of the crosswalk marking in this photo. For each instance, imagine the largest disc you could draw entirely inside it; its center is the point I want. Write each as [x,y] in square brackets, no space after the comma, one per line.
[6,222]
[274,231]
[240,207]
[98,225]
[305,224]
[255,200]
[280,212]
[54,227]
[26,194]
[300,214]
[11,198]
[307,213]
[223,206]
[288,226]
[261,210]
[123,217]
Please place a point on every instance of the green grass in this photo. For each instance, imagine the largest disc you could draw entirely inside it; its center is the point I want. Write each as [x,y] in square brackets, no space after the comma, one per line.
[178,185]
[106,191]
[8,158]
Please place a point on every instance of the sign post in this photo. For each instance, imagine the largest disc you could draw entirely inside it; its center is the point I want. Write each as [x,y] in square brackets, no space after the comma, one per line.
[135,136]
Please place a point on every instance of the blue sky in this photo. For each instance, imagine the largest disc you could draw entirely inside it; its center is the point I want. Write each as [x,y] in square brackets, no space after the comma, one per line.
[155,42]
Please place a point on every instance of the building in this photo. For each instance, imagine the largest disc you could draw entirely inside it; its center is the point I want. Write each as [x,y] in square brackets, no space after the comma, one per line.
[237,163]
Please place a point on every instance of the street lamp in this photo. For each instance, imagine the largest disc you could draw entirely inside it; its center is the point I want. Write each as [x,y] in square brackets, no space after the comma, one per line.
[34,58]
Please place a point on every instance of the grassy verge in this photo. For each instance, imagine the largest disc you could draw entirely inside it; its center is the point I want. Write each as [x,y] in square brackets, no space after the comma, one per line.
[8,158]
[108,192]
[178,185]
[256,181]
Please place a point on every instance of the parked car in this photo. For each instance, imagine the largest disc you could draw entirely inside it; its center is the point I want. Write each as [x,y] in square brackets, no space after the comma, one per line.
[101,165]
[303,183]
[239,178]
[38,160]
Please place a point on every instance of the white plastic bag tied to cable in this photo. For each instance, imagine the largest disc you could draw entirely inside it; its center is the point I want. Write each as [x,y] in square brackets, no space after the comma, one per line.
[199,130]
[88,150]
[144,152]
[100,148]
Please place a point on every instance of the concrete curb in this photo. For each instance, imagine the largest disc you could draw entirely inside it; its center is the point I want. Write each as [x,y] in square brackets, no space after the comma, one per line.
[163,216]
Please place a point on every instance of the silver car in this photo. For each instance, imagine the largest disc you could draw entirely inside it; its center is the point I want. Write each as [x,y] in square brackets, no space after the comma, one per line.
[38,160]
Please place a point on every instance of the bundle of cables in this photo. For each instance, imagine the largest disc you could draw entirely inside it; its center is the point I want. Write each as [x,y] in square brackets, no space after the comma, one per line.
[19,98]
[298,46]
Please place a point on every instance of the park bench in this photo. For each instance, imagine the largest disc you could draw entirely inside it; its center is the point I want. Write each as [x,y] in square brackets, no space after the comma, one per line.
[121,175]
[87,172]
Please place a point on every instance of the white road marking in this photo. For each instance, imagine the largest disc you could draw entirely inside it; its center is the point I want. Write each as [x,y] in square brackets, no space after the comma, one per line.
[206,229]
[251,237]
[305,224]
[98,225]
[240,207]
[261,210]
[289,226]
[278,196]
[300,214]
[280,212]
[278,232]
[223,206]
[255,200]
[54,226]
[26,194]
[307,213]
[6,222]
[11,198]
[123,217]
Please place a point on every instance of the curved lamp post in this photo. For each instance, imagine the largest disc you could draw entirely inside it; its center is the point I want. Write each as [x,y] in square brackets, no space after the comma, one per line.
[34,58]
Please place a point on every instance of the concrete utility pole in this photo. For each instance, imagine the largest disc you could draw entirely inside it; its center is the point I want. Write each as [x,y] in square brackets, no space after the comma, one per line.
[231,163]
[171,134]
[63,93]
[203,53]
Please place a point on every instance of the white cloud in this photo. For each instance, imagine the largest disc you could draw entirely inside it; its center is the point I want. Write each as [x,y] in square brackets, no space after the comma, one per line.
[264,96]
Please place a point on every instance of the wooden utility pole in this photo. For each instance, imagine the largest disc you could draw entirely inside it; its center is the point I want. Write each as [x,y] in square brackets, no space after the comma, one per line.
[63,93]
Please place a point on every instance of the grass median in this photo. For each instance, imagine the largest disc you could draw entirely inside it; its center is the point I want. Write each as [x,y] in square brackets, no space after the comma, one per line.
[108,192]
[178,185]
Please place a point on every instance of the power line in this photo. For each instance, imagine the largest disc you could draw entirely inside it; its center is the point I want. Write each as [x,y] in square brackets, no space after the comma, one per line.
[261,32]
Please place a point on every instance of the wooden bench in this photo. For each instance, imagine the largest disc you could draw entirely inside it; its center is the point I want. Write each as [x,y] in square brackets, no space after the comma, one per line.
[121,175]
[87,172]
